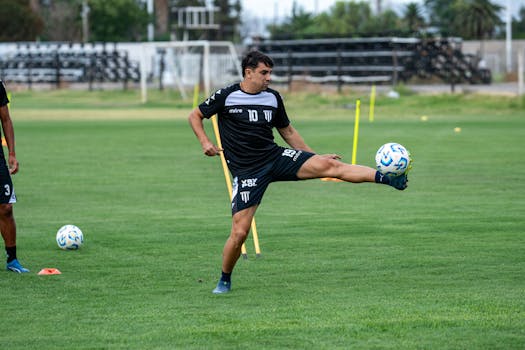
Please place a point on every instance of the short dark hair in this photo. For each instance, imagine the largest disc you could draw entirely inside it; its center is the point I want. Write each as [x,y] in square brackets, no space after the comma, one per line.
[253,58]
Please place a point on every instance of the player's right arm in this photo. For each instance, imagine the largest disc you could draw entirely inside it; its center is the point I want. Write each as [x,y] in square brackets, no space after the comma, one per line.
[195,119]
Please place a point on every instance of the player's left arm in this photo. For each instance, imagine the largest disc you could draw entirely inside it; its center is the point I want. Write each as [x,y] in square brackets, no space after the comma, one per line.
[292,137]
[9,134]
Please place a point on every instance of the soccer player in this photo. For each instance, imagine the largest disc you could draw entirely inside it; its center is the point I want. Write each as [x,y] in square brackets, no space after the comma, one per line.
[247,113]
[7,192]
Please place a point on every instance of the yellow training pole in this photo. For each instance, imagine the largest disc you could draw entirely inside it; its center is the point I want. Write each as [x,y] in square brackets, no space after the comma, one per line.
[356,130]
[229,185]
[372,103]
[195,95]
[219,143]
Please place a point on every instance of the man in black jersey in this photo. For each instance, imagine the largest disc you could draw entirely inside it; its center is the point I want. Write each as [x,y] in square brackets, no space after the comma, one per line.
[7,192]
[247,113]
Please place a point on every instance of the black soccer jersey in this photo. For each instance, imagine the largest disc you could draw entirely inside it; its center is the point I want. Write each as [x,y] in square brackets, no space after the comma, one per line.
[245,125]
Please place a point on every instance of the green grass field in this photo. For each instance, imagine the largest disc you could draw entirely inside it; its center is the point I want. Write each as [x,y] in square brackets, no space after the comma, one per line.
[438,266]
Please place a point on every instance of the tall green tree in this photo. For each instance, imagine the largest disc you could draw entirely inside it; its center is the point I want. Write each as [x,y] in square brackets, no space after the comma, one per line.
[19,22]
[344,18]
[62,20]
[441,14]
[298,26]
[477,19]
[229,18]
[469,19]
[412,18]
[117,20]
[518,25]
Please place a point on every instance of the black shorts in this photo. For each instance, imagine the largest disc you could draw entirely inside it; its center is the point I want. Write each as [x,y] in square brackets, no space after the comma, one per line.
[7,192]
[248,189]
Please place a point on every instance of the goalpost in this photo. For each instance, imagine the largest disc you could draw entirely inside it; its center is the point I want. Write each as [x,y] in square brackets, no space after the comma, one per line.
[184,64]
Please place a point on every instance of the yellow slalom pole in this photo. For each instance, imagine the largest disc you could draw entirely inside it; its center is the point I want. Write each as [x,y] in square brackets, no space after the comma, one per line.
[223,160]
[229,185]
[356,130]
[255,239]
[372,103]
[195,95]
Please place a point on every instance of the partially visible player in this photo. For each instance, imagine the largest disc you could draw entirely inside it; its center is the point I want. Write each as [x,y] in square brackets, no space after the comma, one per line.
[7,192]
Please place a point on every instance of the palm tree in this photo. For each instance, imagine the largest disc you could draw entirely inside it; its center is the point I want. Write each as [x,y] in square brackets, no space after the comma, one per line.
[477,19]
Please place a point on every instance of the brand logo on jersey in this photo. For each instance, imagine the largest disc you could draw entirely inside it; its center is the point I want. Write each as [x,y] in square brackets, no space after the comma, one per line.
[249,183]
[245,196]
[235,110]
[268,115]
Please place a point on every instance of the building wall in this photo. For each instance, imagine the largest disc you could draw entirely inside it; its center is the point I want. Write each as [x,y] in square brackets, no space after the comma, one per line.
[495,54]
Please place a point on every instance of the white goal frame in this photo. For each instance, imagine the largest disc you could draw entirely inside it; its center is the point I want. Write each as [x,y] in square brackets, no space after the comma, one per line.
[209,73]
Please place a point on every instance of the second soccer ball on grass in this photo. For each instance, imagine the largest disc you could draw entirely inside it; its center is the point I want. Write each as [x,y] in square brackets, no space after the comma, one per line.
[69,237]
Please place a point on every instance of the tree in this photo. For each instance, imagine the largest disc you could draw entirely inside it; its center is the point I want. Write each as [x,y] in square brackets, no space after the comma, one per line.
[117,20]
[229,19]
[469,19]
[477,19]
[299,25]
[62,20]
[412,18]
[518,25]
[441,14]
[19,22]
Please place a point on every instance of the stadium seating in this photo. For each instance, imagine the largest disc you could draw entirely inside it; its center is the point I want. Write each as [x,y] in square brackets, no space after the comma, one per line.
[57,63]
[378,60]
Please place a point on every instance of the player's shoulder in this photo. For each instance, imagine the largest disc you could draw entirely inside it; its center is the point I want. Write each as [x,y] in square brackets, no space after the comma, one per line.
[273,92]
[225,91]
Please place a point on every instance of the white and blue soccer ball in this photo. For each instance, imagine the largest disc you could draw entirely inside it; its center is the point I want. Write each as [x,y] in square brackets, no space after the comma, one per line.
[393,159]
[69,237]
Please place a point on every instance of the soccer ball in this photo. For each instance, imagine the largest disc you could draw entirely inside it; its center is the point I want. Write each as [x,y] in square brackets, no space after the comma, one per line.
[392,159]
[69,237]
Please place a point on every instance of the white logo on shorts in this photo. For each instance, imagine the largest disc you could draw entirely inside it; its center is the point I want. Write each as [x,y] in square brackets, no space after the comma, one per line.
[245,196]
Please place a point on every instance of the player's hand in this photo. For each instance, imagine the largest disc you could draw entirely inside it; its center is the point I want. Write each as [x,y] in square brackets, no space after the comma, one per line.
[211,150]
[13,164]
[331,156]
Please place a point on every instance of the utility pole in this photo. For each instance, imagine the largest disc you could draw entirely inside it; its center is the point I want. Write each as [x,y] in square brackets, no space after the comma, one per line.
[151,33]
[378,7]
[508,37]
[85,21]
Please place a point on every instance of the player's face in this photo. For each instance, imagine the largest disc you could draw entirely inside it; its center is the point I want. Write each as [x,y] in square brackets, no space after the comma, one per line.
[260,77]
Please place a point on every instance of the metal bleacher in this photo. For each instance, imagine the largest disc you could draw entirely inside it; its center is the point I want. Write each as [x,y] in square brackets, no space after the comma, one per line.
[372,60]
[57,63]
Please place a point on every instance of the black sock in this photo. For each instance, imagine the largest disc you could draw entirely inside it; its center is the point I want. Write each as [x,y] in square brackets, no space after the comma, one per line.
[11,253]
[382,179]
[226,277]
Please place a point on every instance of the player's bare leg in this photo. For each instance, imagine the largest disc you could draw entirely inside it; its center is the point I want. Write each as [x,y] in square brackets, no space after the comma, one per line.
[241,222]
[320,166]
